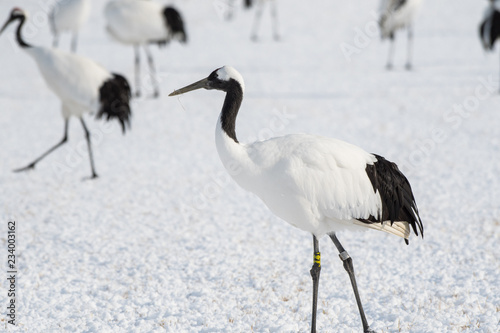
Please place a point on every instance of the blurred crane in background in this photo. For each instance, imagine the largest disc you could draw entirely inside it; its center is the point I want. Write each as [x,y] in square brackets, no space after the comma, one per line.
[68,15]
[395,15]
[82,86]
[140,23]
[489,29]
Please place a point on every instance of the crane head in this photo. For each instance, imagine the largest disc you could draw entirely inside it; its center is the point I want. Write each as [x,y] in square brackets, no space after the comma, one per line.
[15,14]
[220,79]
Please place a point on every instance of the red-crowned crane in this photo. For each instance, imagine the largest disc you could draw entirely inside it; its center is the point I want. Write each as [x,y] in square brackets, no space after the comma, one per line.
[489,30]
[81,85]
[318,184]
[258,15]
[140,23]
[68,15]
[395,15]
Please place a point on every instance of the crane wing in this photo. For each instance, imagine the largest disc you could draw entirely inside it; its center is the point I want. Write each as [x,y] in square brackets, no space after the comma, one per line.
[73,78]
[327,174]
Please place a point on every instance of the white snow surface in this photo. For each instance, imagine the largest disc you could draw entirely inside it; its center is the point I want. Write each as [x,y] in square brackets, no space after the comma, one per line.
[165,241]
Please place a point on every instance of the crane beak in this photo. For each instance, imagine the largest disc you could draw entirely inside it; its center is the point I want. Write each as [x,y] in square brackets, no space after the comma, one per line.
[9,21]
[197,85]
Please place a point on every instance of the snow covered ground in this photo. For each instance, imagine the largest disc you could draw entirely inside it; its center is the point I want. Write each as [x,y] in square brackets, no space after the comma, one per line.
[164,241]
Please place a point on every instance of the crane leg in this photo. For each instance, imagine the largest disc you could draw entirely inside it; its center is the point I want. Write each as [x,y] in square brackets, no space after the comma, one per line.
[229,10]
[315,271]
[55,41]
[257,19]
[274,14]
[74,41]
[87,137]
[391,52]
[137,64]
[410,48]
[347,260]
[63,141]
[152,72]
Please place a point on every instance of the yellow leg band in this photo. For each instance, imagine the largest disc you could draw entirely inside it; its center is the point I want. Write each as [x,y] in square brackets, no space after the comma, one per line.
[317,258]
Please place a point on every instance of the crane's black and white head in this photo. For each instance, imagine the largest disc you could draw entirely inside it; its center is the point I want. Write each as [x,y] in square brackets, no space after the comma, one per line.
[225,78]
[230,81]
[15,14]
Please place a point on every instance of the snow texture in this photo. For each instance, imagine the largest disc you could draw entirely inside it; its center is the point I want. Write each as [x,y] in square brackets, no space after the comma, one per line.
[165,241]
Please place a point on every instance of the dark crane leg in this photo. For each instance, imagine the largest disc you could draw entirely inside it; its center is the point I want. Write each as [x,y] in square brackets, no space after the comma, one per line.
[229,12]
[391,52]
[74,41]
[87,137]
[256,22]
[137,64]
[410,48]
[347,260]
[315,271]
[63,141]
[152,71]
[274,13]
[55,41]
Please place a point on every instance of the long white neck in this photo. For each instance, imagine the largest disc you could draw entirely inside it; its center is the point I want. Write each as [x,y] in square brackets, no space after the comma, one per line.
[234,156]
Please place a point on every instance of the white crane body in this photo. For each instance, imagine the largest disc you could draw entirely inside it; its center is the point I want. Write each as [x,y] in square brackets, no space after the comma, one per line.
[74,79]
[397,14]
[315,183]
[136,22]
[70,15]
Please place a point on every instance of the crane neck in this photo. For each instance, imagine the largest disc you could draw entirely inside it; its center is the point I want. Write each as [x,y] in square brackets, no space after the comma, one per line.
[19,38]
[233,155]
[232,103]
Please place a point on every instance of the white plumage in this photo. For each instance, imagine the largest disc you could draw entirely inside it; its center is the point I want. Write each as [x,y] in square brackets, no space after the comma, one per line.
[74,79]
[396,15]
[140,23]
[320,185]
[82,86]
[68,15]
[315,183]
[135,21]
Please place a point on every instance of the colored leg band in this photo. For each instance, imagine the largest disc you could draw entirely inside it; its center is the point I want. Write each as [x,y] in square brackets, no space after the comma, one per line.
[317,258]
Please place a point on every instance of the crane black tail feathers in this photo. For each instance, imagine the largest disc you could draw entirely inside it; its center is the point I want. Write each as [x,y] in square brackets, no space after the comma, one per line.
[114,96]
[398,202]
[248,3]
[489,30]
[175,24]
